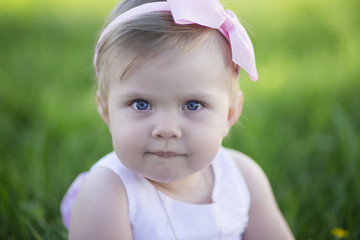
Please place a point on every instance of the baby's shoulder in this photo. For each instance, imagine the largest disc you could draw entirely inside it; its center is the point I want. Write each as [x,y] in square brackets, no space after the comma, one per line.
[266,220]
[101,204]
[101,183]
[247,166]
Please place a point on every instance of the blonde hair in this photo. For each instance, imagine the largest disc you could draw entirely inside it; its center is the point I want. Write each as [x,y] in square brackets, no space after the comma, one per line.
[152,34]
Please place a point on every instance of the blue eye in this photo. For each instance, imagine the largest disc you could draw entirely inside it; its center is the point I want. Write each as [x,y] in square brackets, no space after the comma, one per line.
[193,105]
[141,105]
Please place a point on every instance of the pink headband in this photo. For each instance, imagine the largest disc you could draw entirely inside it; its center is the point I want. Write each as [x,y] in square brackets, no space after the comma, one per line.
[208,13]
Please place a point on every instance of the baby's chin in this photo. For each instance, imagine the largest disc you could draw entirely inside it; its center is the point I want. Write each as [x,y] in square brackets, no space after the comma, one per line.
[165,174]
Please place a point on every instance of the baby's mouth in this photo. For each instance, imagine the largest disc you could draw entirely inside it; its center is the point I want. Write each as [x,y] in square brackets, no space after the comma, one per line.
[166,154]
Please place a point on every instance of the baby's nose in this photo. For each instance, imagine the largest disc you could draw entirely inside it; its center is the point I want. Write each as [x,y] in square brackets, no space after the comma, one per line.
[166,126]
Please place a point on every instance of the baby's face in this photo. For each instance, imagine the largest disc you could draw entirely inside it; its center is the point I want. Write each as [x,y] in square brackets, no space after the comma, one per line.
[169,115]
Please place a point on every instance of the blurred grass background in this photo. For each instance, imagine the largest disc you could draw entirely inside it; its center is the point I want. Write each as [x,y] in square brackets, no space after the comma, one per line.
[300,121]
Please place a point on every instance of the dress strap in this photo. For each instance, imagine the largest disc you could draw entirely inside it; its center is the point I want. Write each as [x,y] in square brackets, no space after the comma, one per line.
[231,193]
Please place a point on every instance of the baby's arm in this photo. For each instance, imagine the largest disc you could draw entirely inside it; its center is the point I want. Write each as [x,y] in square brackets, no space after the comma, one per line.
[100,210]
[266,220]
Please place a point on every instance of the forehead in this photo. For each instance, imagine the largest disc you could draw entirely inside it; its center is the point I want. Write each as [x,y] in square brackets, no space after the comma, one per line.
[208,54]
[200,71]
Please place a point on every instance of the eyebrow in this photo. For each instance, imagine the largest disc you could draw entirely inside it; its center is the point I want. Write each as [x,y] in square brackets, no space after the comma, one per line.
[130,95]
[200,96]
[197,96]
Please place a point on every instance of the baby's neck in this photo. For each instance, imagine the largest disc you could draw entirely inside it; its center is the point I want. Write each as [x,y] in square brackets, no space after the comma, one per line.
[194,189]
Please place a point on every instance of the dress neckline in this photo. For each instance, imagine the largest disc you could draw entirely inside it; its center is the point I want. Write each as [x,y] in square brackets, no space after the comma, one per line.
[216,171]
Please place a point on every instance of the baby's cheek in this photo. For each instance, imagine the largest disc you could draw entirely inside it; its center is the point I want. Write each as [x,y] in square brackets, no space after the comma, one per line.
[130,136]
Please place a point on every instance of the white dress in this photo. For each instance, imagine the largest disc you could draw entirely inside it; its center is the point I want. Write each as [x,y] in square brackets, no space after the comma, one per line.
[229,212]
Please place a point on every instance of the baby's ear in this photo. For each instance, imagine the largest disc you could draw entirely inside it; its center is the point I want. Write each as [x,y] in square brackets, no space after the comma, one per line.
[102,108]
[235,110]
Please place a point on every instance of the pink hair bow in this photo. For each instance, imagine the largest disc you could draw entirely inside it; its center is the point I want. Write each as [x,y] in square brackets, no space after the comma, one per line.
[208,13]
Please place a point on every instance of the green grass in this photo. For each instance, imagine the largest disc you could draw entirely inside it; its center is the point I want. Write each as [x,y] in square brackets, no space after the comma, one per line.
[300,121]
